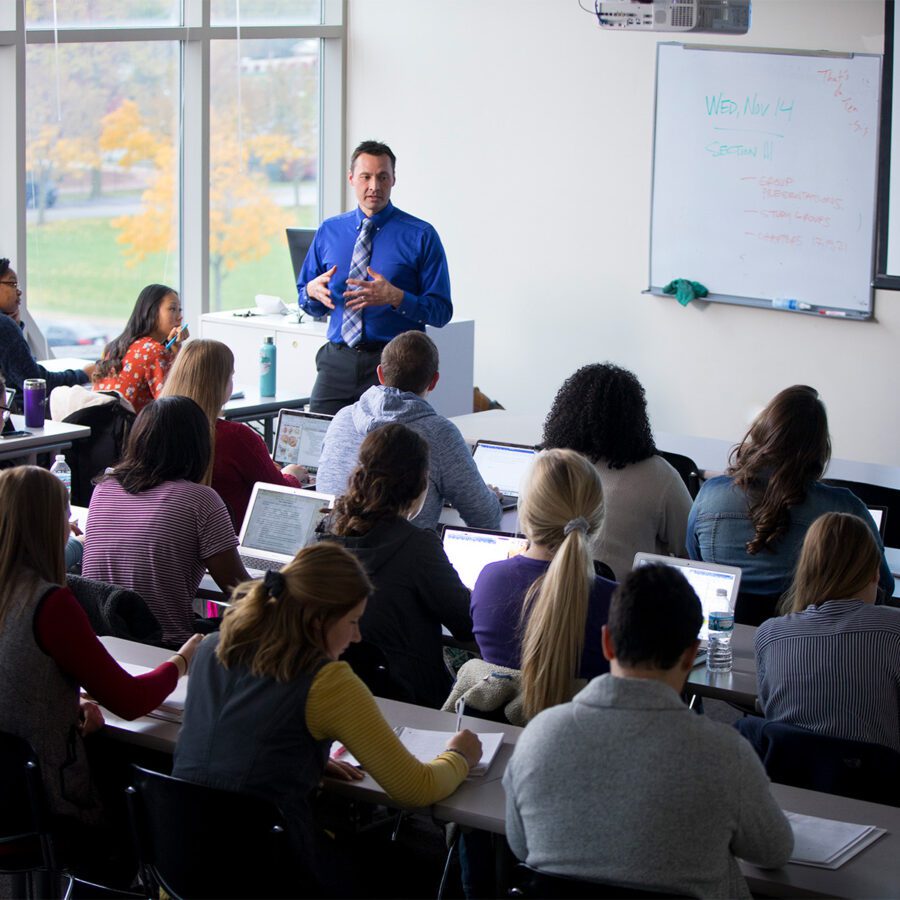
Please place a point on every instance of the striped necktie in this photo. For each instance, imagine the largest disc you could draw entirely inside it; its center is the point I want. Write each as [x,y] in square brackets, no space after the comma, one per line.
[352,324]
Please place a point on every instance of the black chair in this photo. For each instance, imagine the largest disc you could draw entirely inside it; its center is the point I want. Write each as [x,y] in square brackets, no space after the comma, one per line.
[26,842]
[801,758]
[371,666]
[115,611]
[754,609]
[531,882]
[195,841]
[686,468]
[88,458]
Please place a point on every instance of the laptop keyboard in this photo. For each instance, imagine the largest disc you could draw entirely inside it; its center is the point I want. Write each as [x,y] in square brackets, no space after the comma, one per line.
[254,562]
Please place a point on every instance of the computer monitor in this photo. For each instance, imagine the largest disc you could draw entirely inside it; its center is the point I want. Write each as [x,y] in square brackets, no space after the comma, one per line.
[299,241]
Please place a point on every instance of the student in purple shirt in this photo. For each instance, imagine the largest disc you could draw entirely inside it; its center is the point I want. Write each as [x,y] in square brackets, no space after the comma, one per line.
[543,611]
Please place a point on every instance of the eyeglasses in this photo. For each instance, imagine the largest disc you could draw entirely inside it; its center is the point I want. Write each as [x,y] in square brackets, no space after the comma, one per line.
[12,284]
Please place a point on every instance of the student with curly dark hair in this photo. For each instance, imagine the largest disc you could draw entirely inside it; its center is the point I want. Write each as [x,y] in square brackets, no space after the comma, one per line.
[601,412]
[416,588]
[757,514]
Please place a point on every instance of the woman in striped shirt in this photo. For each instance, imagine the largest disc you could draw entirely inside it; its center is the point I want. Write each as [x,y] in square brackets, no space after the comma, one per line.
[268,696]
[832,663]
[153,528]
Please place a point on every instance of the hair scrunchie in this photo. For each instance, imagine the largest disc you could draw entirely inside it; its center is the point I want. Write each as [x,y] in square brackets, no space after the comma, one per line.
[274,582]
[578,524]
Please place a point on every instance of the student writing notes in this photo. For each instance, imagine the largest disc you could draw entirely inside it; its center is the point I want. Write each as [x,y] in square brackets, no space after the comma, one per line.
[268,697]
[48,648]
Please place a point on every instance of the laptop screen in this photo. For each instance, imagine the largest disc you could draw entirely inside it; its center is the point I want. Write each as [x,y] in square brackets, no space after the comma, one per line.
[470,550]
[879,514]
[281,521]
[503,465]
[716,586]
[299,438]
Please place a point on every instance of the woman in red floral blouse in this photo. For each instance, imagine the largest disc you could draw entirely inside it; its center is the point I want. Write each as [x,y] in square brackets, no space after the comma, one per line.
[136,363]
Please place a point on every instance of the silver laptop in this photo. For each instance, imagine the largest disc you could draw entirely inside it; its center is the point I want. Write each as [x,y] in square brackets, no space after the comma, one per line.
[716,586]
[471,549]
[504,466]
[299,438]
[279,521]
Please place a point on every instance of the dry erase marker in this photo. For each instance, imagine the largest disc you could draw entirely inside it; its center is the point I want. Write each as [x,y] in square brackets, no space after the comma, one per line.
[460,709]
[789,303]
[835,313]
[174,337]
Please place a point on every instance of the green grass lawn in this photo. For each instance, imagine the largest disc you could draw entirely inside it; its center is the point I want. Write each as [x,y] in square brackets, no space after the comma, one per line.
[76,269]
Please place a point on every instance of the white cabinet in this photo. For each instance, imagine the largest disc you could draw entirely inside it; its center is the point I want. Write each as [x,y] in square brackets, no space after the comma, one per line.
[297,345]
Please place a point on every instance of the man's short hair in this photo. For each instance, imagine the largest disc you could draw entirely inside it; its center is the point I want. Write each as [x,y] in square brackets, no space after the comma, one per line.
[409,362]
[374,148]
[653,618]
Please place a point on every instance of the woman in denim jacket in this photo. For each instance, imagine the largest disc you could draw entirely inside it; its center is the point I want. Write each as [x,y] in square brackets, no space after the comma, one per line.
[757,514]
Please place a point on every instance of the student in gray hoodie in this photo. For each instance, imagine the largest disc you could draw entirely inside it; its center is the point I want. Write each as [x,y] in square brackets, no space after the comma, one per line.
[408,373]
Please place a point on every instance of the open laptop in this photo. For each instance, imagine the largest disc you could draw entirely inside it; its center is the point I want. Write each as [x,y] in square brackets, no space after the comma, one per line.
[504,466]
[299,437]
[471,549]
[716,586]
[278,522]
[879,514]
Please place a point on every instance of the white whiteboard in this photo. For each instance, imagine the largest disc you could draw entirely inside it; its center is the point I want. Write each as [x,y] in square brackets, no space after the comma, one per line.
[764,176]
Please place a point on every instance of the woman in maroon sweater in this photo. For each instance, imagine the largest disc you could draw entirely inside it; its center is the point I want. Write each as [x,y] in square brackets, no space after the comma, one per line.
[48,649]
[204,371]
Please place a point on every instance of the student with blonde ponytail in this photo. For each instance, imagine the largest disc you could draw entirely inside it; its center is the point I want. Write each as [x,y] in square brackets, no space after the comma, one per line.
[543,611]
[268,697]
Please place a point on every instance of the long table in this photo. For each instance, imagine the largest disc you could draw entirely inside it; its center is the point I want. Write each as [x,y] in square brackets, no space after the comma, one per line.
[480,803]
[52,438]
[738,686]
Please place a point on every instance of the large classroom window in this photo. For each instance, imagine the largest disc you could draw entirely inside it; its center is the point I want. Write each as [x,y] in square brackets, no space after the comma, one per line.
[164,141]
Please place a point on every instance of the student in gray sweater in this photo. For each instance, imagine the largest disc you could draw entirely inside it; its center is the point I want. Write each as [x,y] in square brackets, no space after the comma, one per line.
[625,785]
[408,374]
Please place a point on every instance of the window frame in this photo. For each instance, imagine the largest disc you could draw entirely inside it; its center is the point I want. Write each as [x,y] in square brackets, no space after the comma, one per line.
[194,36]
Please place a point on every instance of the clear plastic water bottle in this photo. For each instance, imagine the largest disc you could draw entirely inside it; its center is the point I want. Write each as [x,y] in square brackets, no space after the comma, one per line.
[267,368]
[719,655]
[62,471]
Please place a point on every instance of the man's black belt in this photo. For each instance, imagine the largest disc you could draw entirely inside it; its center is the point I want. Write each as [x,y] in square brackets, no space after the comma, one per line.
[364,346]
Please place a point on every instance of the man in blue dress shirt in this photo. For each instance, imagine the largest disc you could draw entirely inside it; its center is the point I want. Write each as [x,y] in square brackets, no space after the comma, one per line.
[379,271]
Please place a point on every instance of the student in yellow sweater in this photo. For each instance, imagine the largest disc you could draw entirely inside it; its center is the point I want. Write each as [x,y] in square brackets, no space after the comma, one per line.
[268,696]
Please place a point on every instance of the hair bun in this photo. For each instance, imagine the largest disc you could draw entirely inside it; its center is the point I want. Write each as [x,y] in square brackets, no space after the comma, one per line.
[578,524]
[275,584]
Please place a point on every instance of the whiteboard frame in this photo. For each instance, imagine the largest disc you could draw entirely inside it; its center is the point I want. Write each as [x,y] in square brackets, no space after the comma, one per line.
[760,302]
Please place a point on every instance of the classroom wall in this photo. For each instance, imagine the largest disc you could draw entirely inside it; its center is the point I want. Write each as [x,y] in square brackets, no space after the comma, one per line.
[523,133]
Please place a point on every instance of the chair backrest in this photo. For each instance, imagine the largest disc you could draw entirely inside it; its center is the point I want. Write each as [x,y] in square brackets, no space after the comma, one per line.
[804,759]
[24,821]
[195,841]
[371,666]
[89,457]
[531,882]
[754,609]
[115,611]
[686,468]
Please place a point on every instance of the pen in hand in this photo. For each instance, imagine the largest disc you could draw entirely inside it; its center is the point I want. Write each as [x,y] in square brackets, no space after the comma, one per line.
[170,342]
[460,709]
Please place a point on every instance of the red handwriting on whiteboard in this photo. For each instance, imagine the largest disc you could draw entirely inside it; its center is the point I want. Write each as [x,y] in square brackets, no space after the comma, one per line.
[838,80]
